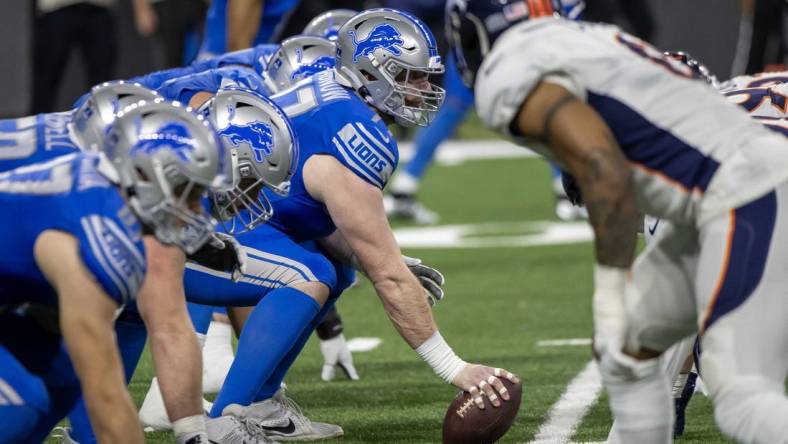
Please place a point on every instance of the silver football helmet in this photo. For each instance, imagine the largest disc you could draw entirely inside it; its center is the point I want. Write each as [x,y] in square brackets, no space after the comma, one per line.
[327,24]
[167,157]
[90,120]
[264,151]
[387,56]
[297,58]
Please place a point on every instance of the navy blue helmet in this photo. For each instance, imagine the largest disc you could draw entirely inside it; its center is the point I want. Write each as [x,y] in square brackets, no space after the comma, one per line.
[473,26]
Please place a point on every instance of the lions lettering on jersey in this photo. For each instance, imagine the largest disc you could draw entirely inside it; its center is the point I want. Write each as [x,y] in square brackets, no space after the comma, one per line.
[120,260]
[365,153]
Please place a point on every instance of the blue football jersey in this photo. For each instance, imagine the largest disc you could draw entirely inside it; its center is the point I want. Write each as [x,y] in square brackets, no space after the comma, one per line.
[330,119]
[255,58]
[73,194]
[35,139]
[184,88]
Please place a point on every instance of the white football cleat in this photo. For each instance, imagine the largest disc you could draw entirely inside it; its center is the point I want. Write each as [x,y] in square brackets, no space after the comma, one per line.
[153,414]
[64,433]
[217,356]
[281,419]
[232,430]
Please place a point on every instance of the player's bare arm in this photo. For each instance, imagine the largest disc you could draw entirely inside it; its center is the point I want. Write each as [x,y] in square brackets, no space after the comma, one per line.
[584,144]
[243,21]
[358,214]
[87,324]
[174,347]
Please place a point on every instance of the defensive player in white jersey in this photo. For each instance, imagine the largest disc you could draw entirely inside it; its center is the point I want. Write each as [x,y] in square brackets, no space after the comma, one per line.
[642,134]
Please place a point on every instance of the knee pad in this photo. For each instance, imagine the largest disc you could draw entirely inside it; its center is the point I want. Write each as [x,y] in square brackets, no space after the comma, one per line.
[331,325]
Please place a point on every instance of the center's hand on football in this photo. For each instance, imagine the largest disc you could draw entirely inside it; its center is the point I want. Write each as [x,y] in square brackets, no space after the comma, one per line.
[480,380]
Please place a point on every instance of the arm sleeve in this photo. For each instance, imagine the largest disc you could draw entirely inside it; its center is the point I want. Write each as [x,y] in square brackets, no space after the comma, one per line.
[114,260]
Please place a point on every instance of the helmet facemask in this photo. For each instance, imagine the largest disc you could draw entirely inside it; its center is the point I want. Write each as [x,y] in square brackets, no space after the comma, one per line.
[244,207]
[175,213]
[408,95]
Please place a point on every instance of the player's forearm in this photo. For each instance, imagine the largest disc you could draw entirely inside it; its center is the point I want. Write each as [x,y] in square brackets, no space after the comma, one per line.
[176,353]
[91,346]
[606,183]
[243,21]
[404,302]
[178,361]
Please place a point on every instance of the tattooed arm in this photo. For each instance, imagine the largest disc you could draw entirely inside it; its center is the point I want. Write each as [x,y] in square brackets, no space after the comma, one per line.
[584,144]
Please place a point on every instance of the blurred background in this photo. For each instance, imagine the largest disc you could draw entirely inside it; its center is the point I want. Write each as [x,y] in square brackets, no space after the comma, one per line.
[54,50]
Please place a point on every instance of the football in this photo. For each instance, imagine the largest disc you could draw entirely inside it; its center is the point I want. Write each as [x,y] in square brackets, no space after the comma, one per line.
[465,423]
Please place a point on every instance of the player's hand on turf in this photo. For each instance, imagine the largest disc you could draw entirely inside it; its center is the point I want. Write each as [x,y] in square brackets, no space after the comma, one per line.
[480,381]
[337,354]
[222,253]
[431,279]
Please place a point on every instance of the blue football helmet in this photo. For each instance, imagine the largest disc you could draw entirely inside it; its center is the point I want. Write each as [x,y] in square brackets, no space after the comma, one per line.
[473,26]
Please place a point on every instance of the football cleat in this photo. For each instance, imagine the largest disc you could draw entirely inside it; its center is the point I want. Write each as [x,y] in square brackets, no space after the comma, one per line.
[281,419]
[406,207]
[153,415]
[64,433]
[232,430]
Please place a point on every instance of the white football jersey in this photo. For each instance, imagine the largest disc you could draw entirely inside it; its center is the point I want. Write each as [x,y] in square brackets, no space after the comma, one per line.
[694,154]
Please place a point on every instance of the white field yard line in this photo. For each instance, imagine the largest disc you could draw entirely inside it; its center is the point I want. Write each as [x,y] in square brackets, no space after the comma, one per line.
[566,415]
[455,152]
[359,345]
[564,342]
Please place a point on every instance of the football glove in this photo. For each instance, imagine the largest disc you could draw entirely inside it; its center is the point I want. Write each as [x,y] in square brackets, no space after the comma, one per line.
[431,279]
[337,354]
[222,253]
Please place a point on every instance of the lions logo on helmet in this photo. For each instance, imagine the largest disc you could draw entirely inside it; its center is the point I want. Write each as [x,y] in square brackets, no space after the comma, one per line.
[320,64]
[384,36]
[173,136]
[258,135]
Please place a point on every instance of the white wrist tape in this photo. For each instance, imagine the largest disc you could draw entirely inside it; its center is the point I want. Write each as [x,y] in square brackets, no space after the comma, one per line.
[437,353]
[609,309]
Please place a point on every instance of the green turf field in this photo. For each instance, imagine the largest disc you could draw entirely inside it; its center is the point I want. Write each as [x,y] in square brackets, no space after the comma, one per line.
[499,303]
